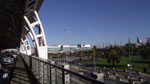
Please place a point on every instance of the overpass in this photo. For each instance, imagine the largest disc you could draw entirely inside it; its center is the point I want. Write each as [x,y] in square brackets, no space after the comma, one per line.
[20,26]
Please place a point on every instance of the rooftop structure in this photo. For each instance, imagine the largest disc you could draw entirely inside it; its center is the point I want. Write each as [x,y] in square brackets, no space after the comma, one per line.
[12,23]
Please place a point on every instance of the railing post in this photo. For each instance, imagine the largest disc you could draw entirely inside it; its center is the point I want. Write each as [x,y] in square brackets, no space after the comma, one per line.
[28,61]
[41,72]
[52,73]
[44,73]
[30,64]
[48,74]
[33,66]
[36,67]
[65,75]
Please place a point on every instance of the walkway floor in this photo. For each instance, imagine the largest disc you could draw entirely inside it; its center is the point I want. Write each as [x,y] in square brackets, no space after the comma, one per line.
[20,75]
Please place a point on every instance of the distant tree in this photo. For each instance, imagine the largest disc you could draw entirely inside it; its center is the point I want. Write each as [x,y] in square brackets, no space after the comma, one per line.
[105,53]
[88,53]
[92,54]
[145,51]
[121,51]
[80,54]
[98,54]
[130,48]
[94,47]
[113,57]
[97,51]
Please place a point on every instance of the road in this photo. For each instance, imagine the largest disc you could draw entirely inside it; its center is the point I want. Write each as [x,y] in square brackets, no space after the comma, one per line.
[78,68]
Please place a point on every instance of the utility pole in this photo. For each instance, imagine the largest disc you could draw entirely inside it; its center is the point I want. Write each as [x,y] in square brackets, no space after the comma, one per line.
[120,43]
[115,43]
[94,58]
[103,45]
[64,36]
[106,44]
[64,44]
[109,44]
[129,48]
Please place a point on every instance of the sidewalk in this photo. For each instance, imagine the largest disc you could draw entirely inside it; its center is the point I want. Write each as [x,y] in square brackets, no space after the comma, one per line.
[20,75]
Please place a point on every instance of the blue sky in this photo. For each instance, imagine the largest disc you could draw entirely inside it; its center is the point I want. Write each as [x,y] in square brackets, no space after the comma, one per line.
[95,21]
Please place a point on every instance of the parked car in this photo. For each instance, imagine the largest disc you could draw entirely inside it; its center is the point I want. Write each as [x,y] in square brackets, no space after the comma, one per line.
[3,77]
[4,60]
[10,56]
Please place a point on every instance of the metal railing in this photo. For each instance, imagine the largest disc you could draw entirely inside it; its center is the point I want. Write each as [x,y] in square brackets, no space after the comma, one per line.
[48,72]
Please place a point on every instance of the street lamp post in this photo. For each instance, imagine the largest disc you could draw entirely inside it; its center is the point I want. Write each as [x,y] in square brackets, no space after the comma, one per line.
[64,45]
[94,60]
[130,68]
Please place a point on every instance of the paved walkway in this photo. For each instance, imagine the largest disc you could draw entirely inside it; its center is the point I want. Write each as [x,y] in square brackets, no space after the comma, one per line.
[20,75]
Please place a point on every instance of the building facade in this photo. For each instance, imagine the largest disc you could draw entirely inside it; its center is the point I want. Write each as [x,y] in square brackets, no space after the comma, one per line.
[68,49]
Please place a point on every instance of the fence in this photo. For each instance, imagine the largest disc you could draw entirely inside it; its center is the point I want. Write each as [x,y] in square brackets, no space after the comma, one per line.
[49,72]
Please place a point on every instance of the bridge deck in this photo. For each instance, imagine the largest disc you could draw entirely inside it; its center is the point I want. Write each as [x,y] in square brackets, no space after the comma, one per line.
[20,74]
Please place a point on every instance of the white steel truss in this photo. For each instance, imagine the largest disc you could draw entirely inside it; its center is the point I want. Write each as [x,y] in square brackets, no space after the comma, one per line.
[26,48]
[30,34]
[22,48]
[39,39]
[27,45]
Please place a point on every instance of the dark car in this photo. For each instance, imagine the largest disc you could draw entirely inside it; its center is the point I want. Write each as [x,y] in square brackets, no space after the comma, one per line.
[3,77]
[6,59]
[9,55]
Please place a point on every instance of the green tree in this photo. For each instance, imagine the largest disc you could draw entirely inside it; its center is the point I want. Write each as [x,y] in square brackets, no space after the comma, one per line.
[145,51]
[113,57]
[80,53]
[130,49]
[93,52]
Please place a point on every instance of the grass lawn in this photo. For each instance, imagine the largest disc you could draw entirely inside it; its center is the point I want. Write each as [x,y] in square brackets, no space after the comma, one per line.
[137,63]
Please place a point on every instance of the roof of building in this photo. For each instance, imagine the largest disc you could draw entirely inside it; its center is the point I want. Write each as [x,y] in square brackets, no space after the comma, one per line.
[11,22]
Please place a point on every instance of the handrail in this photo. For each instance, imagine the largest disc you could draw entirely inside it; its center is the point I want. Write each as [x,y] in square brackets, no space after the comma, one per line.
[92,80]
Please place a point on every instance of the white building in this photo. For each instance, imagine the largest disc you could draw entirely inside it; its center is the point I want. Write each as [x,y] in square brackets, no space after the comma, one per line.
[68,49]
[84,45]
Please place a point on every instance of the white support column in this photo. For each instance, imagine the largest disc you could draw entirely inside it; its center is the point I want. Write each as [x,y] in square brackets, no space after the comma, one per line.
[40,40]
